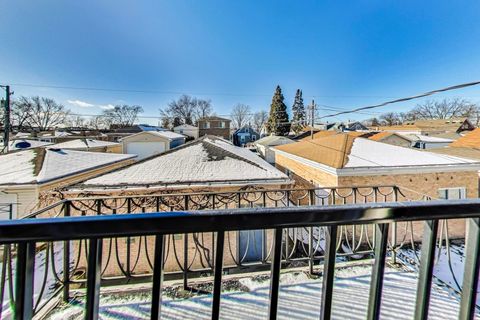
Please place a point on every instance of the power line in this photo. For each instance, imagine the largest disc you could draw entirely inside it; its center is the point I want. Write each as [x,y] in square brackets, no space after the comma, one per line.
[170,92]
[426,94]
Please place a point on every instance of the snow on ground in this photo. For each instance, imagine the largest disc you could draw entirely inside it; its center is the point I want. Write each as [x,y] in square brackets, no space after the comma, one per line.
[300,298]
[448,267]
[41,276]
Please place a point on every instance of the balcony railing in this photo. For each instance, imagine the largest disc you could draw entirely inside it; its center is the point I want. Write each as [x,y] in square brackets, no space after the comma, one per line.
[133,255]
[28,234]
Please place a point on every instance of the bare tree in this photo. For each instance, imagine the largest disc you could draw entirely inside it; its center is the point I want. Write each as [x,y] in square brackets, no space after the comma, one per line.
[240,115]
[372,122]
[76,121]
[204,108]
[389,118]
[187,109]
[38,112]
[165,122]
[21,111]
[122,115]
[259,119]
[444,109]
[97,123]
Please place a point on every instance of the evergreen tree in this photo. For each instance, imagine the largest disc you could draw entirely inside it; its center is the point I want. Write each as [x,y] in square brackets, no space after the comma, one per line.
[278,120]
[298,110]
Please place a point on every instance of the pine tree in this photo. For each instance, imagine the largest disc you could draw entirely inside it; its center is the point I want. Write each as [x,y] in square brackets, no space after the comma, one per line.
[298,110]
[278,120]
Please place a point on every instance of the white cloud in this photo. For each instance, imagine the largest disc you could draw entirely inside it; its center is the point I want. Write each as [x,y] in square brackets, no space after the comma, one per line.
[81,104]
[107,107]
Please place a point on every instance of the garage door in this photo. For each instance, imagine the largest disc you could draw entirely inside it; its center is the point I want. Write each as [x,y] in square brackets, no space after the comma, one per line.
[145,149]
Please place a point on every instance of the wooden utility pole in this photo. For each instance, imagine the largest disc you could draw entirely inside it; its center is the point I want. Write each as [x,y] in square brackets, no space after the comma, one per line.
[6,122]
[312,118]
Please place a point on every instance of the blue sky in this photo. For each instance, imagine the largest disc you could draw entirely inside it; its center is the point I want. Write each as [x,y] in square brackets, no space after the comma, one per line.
[345,54]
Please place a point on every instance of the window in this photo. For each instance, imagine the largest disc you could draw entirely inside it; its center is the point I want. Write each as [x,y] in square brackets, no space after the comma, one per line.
[206,125]
[222,124]
[452,193]
[254,137]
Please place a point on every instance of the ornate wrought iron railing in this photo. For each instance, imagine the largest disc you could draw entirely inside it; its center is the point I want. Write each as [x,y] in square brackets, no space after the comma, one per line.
[29,234]
[63,265]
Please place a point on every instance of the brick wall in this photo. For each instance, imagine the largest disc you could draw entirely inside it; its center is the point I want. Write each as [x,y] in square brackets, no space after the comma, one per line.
[307,173]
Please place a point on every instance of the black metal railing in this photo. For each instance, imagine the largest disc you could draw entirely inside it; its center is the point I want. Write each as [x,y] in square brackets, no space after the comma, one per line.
[131,258]
[28,234]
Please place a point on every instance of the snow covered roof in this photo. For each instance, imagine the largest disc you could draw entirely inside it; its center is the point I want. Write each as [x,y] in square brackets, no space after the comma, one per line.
[462,152]
[22,144]
[345,151]
[185,126]
[273,141]
[146,127]
[424,138]
[412,137]
[41,165]
[22,135]
[83,144]
[169,135]
[205,161]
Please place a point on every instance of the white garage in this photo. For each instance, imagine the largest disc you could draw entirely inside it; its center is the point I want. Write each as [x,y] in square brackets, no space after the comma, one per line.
[145,149]
[149,143]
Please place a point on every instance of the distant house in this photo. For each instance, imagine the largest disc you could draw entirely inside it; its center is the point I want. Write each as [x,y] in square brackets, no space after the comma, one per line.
[430,127]
[148,143]
[90,145]
[355,126]
[53,136]
[264,146]
[27,176]
[410,140]
[214,126]
[343,160]
[188,130]
[245,135]
[208,163]
[118,133]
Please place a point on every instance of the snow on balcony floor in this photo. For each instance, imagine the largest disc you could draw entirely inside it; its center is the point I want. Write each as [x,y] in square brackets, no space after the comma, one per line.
[300,298]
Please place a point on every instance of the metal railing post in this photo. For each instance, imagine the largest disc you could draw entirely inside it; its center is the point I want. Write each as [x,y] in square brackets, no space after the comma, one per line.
[66,259]
[93,279]
[427,257]
[24,280]
[376,284]
[328,272]
[470,276]
[217,282]
[185,251]
[155,312]
[275,273]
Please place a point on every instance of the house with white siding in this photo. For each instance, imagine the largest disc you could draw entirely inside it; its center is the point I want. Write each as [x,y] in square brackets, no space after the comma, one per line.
[26,176]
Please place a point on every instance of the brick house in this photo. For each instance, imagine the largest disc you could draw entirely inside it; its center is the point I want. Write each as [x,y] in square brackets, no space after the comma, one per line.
[214,126]
[344,160]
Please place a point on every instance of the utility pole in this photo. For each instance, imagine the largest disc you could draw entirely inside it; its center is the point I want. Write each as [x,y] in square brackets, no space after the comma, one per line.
[6,122]
[312,118]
